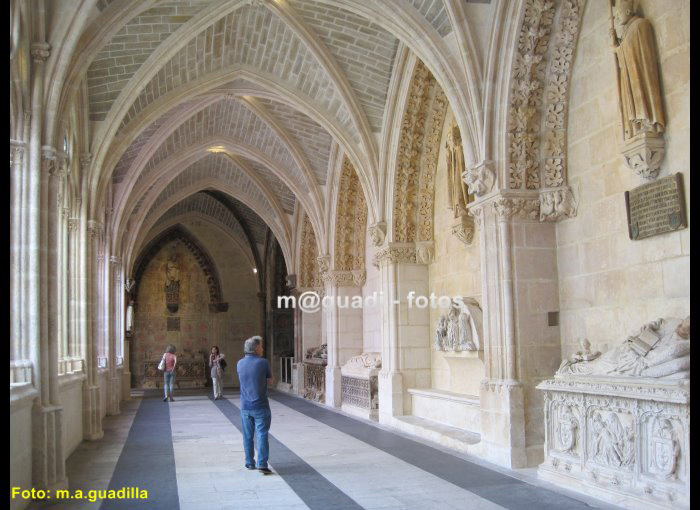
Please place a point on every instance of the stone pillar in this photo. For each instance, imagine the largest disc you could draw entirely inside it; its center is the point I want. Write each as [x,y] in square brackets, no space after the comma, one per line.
[519,289]
[343,325]
[17,157]
[92,417]
[113,288]
[405,332]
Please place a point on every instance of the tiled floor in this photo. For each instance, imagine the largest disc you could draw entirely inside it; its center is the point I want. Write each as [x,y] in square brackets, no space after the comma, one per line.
[188,455]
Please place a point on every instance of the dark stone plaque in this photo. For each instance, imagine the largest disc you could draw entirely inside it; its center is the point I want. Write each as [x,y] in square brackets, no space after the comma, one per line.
[656,208]
[173,324]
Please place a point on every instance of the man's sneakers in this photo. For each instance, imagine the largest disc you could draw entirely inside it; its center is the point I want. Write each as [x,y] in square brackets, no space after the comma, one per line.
[265,471]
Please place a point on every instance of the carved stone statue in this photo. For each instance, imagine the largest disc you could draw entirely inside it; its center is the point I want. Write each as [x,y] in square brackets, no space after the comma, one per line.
[440,333]
[172,283]
[319,353]
[457,189]
[636,56]
[661,350]
[583,354]
[639,90]
[452,340]
[459,329]
[609,441]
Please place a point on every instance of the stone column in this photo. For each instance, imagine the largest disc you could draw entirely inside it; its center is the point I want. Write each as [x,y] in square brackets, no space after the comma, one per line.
[92,417]
[405,331]
[343,325]
[519,289]
[112,288]
[17,159]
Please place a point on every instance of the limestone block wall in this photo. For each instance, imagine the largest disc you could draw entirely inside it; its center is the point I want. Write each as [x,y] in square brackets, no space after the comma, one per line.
[609,285]
[200,329]
[455,271]
[72,403]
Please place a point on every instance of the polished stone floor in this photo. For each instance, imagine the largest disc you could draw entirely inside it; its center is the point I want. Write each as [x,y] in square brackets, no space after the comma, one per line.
[188,455]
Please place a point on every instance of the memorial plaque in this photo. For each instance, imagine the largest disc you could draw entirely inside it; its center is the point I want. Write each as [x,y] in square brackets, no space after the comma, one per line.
[656,208]
[173,324]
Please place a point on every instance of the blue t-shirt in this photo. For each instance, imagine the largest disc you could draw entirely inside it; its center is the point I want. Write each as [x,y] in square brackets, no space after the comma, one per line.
[253,373]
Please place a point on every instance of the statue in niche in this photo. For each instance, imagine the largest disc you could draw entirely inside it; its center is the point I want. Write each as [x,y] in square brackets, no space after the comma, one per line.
[637,69]
[460,328]
[172,283]
[457,192]
[661,349]
[441,333]
[666,448]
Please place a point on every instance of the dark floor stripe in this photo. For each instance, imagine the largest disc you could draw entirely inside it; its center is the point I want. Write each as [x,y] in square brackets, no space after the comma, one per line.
[496,487]
[313,489]
[147,460]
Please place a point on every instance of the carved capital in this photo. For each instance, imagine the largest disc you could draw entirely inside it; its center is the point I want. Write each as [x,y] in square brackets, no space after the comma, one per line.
[94,229]
[324,263]
[377,233]
[507,208]
[644,154]
[48,159]
[425,252]
[16,151]
[480,178]
[557,204]
[85,160]
[40,51]
[359,277]
[395,255]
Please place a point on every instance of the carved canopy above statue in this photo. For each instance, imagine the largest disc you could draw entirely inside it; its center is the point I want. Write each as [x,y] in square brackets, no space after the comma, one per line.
[180,233]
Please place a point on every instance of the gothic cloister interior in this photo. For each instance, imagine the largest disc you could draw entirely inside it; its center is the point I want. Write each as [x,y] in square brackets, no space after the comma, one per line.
[461,228]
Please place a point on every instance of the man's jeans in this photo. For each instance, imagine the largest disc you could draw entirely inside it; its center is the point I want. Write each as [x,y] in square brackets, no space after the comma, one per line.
[257,420]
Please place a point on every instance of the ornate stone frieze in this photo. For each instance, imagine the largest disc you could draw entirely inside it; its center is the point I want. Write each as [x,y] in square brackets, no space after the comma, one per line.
[377,233]
[342,278]
[351,221]
[395,255]
[517,208]
[308,271]
[539,94]
[429,161]
[553,150]
[557,204]
[480,178]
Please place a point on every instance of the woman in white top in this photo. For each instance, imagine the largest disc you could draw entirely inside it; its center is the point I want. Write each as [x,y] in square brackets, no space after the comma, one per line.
[217,371]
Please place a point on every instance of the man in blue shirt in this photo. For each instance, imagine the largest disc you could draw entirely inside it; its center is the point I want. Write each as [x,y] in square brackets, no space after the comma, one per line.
[254,374]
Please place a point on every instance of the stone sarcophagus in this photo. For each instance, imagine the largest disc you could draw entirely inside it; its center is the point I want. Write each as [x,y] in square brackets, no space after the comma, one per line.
[315,374]
[617,424]
[359,385]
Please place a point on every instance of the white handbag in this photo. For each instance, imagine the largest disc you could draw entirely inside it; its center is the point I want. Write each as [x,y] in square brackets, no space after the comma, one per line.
[161,365]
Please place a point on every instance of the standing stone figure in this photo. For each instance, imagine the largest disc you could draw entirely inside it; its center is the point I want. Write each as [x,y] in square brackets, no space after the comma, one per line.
[440,333]
[465,333]
[457,188]
[638,74]
[452,342]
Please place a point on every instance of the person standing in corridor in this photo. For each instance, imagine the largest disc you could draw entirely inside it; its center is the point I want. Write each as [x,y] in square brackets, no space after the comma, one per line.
[254,374]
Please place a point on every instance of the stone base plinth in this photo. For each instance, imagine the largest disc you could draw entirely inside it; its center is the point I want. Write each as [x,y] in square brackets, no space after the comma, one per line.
[621,439]
[452,409]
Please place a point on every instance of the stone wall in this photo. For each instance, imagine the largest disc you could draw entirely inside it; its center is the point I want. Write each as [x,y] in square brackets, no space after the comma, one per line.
[200,329]
[455,271]
[609,285]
